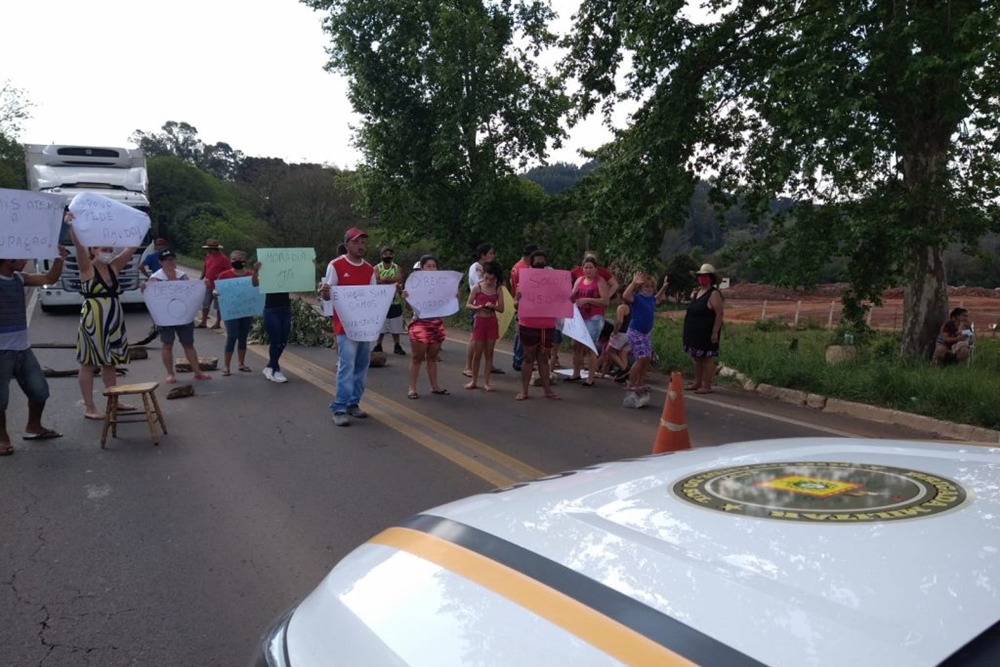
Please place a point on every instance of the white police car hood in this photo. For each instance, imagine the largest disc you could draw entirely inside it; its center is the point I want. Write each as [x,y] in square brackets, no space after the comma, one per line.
[789,553]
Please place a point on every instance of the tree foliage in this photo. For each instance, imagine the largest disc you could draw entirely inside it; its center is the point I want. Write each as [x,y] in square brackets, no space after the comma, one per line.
[452,98]
[181,140]
[880,120]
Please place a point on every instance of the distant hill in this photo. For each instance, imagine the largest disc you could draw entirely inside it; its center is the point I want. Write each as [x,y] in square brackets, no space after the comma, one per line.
[556,178]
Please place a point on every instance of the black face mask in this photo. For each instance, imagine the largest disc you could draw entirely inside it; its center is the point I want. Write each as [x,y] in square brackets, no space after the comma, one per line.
[239,264]
[536,266]
[387,260]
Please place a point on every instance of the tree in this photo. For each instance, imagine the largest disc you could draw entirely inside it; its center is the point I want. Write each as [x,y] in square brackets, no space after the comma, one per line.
[181,140]
[451,97]
[880,120]
[14,108]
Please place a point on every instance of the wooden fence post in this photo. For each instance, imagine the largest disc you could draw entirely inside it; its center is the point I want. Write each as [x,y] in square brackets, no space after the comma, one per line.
[763,310]
[798,304]
[829,321]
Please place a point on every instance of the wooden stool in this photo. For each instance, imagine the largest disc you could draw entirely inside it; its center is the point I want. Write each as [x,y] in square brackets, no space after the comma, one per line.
[148,392]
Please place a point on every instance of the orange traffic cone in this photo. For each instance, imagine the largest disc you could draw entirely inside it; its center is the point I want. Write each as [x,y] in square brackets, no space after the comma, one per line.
[673,435]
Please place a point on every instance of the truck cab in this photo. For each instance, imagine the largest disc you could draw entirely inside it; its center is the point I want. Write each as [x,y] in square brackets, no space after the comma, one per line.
[117,173]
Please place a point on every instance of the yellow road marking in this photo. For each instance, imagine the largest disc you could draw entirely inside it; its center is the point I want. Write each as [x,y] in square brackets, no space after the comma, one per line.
[593,627]
[473,455]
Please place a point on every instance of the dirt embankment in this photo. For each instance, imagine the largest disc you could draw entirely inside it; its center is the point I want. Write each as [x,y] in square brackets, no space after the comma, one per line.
[748,302]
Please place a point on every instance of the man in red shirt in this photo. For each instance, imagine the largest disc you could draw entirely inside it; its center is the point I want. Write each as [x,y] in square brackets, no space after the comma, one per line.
[215,263]
[352,355]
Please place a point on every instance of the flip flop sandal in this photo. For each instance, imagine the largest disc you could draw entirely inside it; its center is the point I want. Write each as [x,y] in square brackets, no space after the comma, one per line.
[441,392]
[246,369]
[573,379]
[521,397]
[226,373]
[47,434]
[6,451]
[411,395]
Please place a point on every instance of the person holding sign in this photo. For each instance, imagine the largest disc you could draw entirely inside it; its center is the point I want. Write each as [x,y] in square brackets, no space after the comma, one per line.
[485,301]
[278,325]
[237,329]
[590,293]
[184,332]
[426,336]
[537,335]
[101,339]
[352,355]
[17,361]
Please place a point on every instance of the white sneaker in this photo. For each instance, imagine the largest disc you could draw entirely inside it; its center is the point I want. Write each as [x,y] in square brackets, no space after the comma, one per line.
[268,373]
[279,377]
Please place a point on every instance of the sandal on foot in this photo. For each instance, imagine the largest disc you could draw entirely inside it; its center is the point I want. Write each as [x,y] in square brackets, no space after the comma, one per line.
[470,385]
[6,450]
[171,380]
[521,397]
[440,392]
[96,416]
[412,395]
[587,384]
[703,391]
[691,386]
[47,434]
[488,388]
[202,376]
[467,374]
[225,372]
[573,379]
[246,369]
[551,395]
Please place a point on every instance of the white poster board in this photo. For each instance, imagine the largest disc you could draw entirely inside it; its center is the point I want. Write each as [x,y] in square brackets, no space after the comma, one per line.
[325,305]
[239,298]
[102,221]
[433,293]
[173,302]
[362,309]
[575,328]
[29,224]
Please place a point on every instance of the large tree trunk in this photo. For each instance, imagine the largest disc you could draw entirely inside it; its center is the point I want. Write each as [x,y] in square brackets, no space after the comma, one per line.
[925,301]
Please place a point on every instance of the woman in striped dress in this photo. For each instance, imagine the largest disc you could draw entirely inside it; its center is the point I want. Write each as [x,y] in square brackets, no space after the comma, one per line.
[101,340]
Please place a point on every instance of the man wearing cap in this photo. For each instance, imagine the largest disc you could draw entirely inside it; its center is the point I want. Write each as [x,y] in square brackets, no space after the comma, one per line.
[352,355]
[215,263]
[390,274]
[150,262]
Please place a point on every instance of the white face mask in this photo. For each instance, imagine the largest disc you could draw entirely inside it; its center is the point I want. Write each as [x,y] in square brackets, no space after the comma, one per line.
[105,257]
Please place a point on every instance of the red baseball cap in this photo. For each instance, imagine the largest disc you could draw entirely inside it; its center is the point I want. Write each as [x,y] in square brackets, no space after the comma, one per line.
[354,233]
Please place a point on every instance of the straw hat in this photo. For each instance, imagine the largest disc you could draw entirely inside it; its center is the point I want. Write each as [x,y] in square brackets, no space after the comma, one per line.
[709,270]
[212,244]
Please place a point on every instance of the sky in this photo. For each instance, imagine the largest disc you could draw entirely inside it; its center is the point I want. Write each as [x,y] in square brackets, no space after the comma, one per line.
[246,73]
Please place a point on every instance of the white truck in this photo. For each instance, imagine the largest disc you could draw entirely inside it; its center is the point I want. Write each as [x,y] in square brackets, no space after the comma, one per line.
[118,173]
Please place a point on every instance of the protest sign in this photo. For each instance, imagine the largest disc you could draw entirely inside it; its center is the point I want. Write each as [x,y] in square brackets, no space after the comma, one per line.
[173,302]
[507,316]
[433,293]
[544,293]
[102,221]
[29,224]
[287,270]
[575,328]
[239,298]
[362,309]
[325,305]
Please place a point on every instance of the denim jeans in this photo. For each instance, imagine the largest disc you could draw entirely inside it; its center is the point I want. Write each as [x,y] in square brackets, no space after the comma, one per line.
[518,349]
[278,325]
[236,333]
[352,369]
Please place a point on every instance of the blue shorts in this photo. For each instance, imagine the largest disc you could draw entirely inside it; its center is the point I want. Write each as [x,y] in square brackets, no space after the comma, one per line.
[594,326]
[21,365]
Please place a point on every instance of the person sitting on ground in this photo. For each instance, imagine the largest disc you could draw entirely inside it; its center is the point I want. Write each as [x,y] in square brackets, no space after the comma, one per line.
[952,343]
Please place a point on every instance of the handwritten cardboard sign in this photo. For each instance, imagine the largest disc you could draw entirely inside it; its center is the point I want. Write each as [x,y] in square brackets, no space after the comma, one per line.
[239,298]
[287,270]
[362,309]
[29,224]
[576,328]
[172,302]
[433,293]
[544,293]
[102,221]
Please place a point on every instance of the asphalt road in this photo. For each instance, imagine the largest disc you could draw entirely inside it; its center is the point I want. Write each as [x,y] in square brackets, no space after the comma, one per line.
[182,554]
